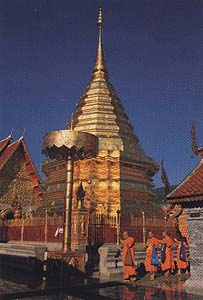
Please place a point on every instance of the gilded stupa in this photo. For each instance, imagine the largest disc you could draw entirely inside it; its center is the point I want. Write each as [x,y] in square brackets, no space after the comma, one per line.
[120,176]
[101,113]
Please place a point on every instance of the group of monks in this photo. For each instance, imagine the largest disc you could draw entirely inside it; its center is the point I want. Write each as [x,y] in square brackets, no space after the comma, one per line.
[152,261]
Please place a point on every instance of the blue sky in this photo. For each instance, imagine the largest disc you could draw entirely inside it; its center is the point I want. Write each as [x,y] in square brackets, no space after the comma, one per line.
[153,52]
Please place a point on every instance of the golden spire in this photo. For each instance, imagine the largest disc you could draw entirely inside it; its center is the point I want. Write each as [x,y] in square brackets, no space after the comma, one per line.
[100,71]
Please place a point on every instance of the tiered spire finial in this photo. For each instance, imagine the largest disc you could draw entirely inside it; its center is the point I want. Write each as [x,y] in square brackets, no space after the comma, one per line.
[100,72]
[100,18]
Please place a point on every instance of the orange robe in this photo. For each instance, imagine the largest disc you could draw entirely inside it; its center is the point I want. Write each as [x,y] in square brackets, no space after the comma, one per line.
[150,243]
[181,264]
[169,261]
[129,268]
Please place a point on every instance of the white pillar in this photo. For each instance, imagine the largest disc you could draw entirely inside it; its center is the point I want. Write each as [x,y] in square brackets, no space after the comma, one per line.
[195,228]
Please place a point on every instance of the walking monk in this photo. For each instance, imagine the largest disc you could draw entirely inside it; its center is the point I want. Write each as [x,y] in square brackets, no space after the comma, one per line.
[182,260]
[167,260]
[128,257]
[151,243]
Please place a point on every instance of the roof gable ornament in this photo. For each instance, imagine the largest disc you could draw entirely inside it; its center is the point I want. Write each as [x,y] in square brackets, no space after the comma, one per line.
[11,133]
[195,148]
[164,179]
[194,140]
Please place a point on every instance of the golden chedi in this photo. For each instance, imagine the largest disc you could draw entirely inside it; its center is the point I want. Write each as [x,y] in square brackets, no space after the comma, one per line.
[120,176]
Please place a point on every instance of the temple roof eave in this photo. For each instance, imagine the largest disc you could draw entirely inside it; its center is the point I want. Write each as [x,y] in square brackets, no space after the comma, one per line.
[5,142]
[190,186]
[187,198]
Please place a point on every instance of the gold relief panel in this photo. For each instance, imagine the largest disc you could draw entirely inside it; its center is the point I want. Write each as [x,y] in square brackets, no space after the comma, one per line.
[113,144]
[100,195]
[102,209]
[115,185]
[115,193]
[87,163]
[105,153]
[103,185]
[113,164]
[74,224]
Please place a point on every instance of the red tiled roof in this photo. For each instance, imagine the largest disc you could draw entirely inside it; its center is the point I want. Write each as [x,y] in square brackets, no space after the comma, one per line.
[8,152]
[185,199]
[191,187]
[4,143]
[30,166]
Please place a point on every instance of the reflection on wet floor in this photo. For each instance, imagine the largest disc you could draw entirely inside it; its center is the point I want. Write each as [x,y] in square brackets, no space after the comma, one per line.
[140,292]
[160,289]
[147,293]
[54,297]
[166,290]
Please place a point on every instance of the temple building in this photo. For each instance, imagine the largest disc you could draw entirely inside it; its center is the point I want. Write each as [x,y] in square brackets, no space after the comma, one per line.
[119,178]
[188,193]
[20,185]
[188,198]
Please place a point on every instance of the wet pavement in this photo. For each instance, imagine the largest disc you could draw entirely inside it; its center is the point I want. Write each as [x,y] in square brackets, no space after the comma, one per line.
[160,289]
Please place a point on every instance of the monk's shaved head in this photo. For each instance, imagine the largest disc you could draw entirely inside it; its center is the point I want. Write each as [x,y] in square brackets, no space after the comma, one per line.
[125,234]
[165,233]
[150,234]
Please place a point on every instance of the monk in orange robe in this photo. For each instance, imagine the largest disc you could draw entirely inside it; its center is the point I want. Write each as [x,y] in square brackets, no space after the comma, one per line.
[181,264]
[151,242]
[167,265]
[128,257]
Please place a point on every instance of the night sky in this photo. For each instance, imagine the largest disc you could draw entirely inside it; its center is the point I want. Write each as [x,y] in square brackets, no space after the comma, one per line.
[153,52]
